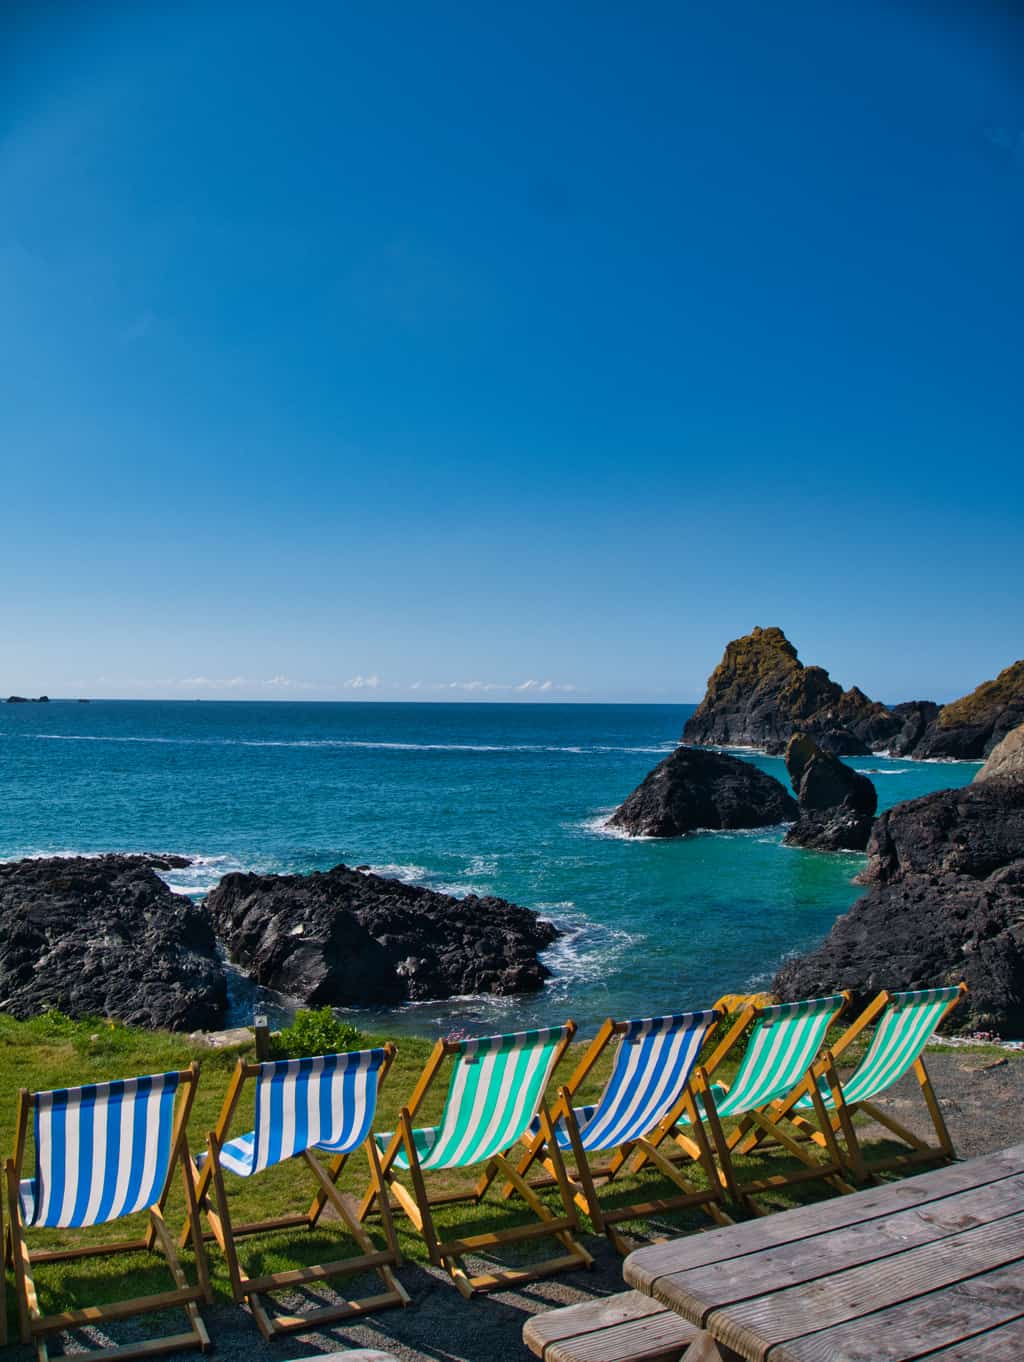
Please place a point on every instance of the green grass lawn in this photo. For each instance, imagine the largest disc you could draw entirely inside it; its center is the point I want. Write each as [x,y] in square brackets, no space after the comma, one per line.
[53,1052]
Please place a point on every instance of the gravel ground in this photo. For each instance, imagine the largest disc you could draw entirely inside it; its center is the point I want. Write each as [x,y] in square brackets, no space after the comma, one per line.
[982,1095]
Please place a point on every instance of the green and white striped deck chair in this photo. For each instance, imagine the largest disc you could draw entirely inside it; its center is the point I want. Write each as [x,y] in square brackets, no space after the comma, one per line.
[906,1022]
[496,1089]
[782,1045]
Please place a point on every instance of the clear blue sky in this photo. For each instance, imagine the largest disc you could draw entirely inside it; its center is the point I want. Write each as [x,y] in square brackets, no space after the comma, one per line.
[430,343]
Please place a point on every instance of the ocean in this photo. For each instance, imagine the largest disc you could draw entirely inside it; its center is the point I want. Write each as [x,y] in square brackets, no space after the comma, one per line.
[465,798]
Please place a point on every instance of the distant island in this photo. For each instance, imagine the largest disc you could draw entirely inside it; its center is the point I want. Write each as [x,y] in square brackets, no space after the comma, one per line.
[28,700]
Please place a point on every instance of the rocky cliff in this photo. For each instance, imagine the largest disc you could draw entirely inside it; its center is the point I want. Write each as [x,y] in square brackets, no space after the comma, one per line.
[945,903]
[760,694]
[972,726]
[692,789]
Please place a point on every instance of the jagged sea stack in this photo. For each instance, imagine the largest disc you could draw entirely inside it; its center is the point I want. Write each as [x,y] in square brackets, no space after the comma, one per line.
[760,694]
[837,804]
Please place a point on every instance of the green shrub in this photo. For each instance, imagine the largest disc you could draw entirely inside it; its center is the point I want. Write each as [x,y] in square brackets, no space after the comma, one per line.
[315,1033]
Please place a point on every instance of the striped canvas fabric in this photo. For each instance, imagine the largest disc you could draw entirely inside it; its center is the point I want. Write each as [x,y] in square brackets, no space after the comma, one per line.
[652,1068]
[782,1046]
[325,1102]
[907,1024]
[496,1089]
[102,1151]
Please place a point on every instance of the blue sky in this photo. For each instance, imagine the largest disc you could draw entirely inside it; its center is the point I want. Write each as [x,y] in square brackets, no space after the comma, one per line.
[399,351]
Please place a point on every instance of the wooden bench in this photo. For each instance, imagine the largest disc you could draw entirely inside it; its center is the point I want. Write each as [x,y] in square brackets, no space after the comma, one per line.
[628,1327]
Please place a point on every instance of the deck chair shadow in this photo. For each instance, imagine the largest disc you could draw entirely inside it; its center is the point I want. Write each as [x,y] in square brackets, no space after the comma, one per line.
[643,1100]
[905,1024]
[105,1151]
[782,1043]
[496,1089]
[326,1102]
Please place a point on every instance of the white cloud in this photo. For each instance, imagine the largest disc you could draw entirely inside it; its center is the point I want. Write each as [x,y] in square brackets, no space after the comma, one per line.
[363,682]
[244,683]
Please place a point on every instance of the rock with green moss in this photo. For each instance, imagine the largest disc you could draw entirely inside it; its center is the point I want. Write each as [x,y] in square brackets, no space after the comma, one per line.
[972,726]
[760,694]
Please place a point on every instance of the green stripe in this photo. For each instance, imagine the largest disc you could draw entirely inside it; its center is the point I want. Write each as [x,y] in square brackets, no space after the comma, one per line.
[781,1048]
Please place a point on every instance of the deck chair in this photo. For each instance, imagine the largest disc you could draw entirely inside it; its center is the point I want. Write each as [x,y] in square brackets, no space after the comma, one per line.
[327,1102]
[906,1022]
[496,1088]
[783,1042]
[643,1099]
[105,1151]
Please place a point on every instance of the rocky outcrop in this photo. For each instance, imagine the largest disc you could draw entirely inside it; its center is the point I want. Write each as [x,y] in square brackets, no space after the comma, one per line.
[914,718]
[837,804]
[104,936]
[945,903]
[760,694]
[343,937]
[693,789]
[1005,759]
[27,700]
[972,726]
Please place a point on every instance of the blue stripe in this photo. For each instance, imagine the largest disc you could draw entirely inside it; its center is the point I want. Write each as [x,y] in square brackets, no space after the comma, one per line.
[300,1098]
[275,1112]
[164,1147]
[138,1139]
[113,1144]
[86,1131]
[58,1124]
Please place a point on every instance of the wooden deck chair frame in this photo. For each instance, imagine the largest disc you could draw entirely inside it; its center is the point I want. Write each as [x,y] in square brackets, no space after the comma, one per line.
[592,1178]
[35,1326]
[418,1206]
[840,1117]
[225,1232]
[761,1123]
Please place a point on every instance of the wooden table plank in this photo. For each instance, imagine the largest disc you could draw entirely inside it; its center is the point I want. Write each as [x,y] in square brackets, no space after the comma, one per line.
[698,1291]
[1002,1344]
[959,1316]
[754,1327]
[643,1267]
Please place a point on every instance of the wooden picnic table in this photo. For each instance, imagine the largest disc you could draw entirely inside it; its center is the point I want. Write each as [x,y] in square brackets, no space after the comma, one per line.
[932,1266]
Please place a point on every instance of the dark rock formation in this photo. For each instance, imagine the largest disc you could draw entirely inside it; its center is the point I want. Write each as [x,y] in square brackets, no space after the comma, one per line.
[342,937]
[25,700]
[914,718]
[837,804]
[104,936]
[760,694]
[1006,759]
[693,789]
[970,727]
[946,902]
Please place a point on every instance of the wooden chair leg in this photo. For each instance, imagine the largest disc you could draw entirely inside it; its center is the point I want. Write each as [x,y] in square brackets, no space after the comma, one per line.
[934,1110]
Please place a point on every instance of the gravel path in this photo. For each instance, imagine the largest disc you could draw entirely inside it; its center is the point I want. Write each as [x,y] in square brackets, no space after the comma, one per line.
[982,1095]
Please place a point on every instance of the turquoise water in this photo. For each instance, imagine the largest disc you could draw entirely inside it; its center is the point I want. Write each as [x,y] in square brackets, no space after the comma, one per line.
[503,799]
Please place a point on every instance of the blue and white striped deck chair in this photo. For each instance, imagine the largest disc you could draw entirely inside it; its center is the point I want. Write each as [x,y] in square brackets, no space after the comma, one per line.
[646,1093]
[105,1151]
[783,1042]
[906,1023]
[324,1102]
[497,1087]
